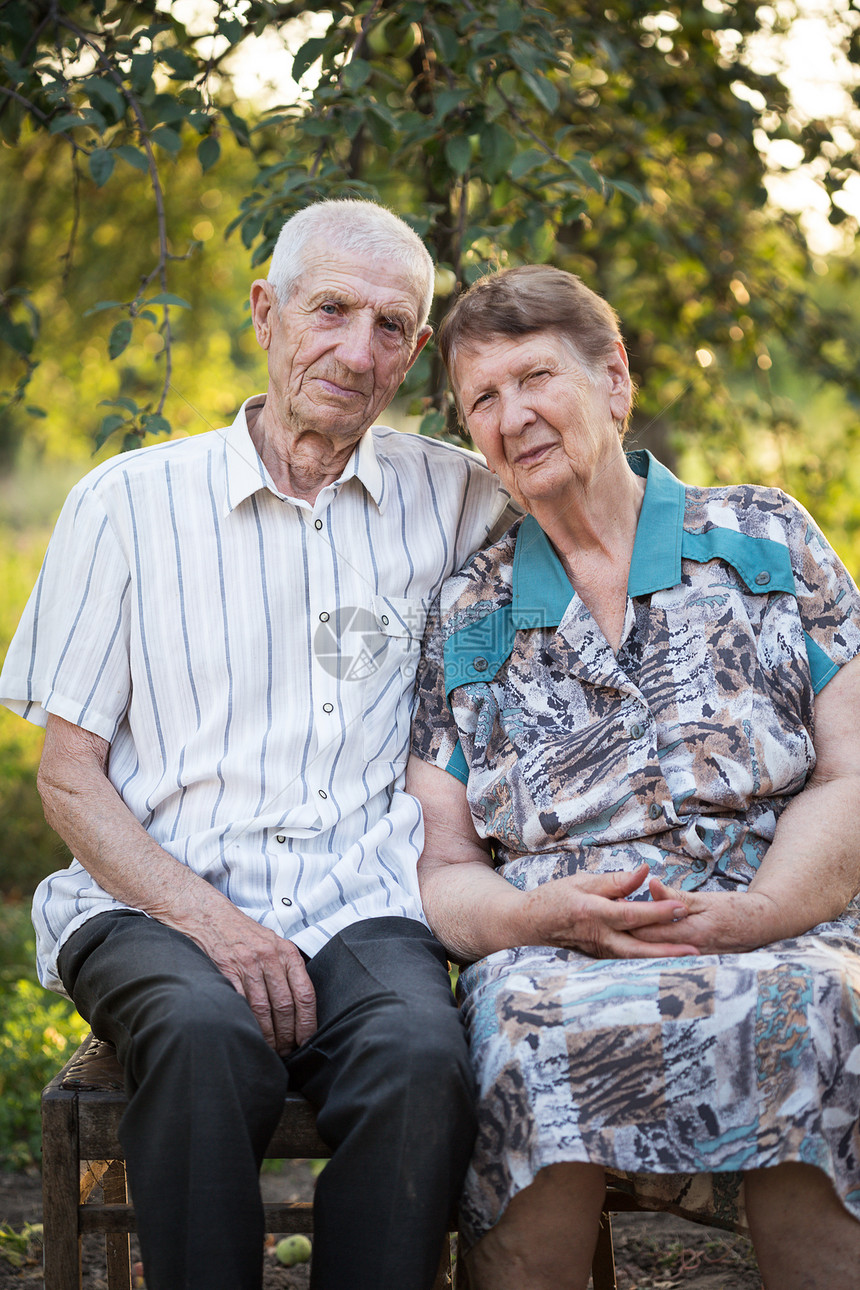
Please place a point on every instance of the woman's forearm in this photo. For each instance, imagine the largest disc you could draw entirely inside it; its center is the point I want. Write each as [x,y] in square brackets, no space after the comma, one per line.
[812,869]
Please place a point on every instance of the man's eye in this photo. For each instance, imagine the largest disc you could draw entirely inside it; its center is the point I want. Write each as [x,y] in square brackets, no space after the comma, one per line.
[391,325]
[329,308]
[482,398]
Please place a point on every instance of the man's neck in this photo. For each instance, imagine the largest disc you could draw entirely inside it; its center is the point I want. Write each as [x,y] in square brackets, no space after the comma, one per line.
[300,462]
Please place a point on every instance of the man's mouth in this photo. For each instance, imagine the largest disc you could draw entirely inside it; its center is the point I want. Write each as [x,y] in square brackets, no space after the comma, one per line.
[339,390]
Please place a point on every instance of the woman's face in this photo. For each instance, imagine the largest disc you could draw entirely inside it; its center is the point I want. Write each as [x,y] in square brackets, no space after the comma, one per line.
[544,424]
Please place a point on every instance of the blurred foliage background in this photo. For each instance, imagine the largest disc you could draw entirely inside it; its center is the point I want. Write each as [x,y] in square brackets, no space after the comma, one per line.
[146,165]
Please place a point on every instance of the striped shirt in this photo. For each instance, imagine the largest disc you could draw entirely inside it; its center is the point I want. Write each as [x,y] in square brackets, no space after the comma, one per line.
[251,660]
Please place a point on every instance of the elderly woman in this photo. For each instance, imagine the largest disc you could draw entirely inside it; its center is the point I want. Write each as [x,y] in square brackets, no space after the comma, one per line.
[638,753]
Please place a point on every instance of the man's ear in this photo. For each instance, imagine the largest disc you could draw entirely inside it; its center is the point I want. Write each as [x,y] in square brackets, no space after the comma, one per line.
[423,336]
[263,306]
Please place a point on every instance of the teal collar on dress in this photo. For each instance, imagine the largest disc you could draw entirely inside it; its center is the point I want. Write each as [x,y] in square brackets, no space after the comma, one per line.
[541,588]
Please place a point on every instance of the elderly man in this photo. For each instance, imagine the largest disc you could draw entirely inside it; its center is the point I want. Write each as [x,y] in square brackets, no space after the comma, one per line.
[221,645]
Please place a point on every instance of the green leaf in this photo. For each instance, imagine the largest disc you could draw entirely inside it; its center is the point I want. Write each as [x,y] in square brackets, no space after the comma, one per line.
[16,335]
[543,90]
[101,166]
[132,156]
[445,102]
[167,139]
[433,423]
[119,338]
[629,190]
[121,401]
[584,168]
[509,16]
[154,423]
[106,92]
[33,411]
[458,153]
[307,56]
[182,67]
[448,44]
[357,73]
[67,121]
[102,304]
[167,298]
[526,161]
[108,426]
[208,152]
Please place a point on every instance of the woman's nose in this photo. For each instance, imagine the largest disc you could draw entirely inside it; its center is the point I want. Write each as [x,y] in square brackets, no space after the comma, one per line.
[514,415]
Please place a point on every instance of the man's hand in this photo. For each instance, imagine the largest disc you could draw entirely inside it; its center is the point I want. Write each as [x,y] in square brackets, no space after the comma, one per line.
[590,913]
[266,969]
[718,922]
[85,809]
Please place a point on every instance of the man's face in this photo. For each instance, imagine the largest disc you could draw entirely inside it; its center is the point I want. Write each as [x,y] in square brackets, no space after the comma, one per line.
[341,345]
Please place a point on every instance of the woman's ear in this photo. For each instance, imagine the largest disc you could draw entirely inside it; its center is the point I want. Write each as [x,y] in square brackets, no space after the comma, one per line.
[620,389]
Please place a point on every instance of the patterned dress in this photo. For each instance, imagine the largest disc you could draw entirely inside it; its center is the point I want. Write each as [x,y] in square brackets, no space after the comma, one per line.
[681,750]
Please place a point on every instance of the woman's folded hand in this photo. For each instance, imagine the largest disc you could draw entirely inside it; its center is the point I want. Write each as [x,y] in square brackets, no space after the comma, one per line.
[592,913]
[718,922]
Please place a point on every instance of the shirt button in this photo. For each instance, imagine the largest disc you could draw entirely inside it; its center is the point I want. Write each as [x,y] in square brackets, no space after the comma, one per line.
[322,793]
[480,664]
[763,578]
[317,524]
[636,732]
[285,900]
[323,617]
[328,707]
[655,810]
[698,866]
[384,620]
[281,837]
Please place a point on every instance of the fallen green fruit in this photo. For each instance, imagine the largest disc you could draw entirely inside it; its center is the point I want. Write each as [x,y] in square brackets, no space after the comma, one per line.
[292,1250]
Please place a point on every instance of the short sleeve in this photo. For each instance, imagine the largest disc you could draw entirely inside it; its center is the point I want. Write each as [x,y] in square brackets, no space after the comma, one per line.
[434,731]
[69,655]
[827,598]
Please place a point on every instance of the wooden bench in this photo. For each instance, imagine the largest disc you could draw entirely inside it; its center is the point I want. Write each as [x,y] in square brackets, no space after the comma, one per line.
[82,1159]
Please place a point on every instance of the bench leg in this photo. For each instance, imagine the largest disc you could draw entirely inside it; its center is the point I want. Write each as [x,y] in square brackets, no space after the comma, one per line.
[60,1188]
[603,1263]
[117,1244]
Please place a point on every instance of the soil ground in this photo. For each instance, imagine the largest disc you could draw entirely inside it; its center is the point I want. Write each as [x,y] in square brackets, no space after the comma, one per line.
[652,1251]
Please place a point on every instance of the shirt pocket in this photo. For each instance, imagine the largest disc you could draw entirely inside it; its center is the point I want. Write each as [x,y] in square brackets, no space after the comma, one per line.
[400,622]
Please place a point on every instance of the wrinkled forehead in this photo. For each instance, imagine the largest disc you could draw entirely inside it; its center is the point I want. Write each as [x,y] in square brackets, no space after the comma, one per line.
[365,280]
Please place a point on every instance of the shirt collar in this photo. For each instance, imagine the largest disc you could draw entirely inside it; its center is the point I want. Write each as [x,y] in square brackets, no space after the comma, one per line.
[541,590]
[656,562]
[245,473]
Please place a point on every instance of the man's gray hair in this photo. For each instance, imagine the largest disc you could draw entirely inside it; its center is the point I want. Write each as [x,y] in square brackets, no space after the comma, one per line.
[360,227]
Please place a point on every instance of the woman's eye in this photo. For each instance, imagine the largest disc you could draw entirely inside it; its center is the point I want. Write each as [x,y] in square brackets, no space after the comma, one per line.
[329,309]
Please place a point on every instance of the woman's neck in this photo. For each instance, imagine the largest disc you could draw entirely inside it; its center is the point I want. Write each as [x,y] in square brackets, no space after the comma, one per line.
[593,531]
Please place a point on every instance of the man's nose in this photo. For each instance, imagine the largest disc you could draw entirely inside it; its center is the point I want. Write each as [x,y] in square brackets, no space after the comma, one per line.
[355,349]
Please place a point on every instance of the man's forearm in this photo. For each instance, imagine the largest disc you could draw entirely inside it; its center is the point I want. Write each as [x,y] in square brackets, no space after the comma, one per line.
[84,808]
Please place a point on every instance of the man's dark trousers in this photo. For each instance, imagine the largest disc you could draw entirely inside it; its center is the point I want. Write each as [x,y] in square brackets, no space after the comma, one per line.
[388,1070]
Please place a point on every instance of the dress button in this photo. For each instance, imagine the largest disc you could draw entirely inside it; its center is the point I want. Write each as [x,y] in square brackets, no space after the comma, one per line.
[281,837]
[698,866]
[317,524]
[636,732]
[322,793]
[323,617]
[655,810]
[763,578]
[480,664]
[285,900]
[384,620]
[328,707]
